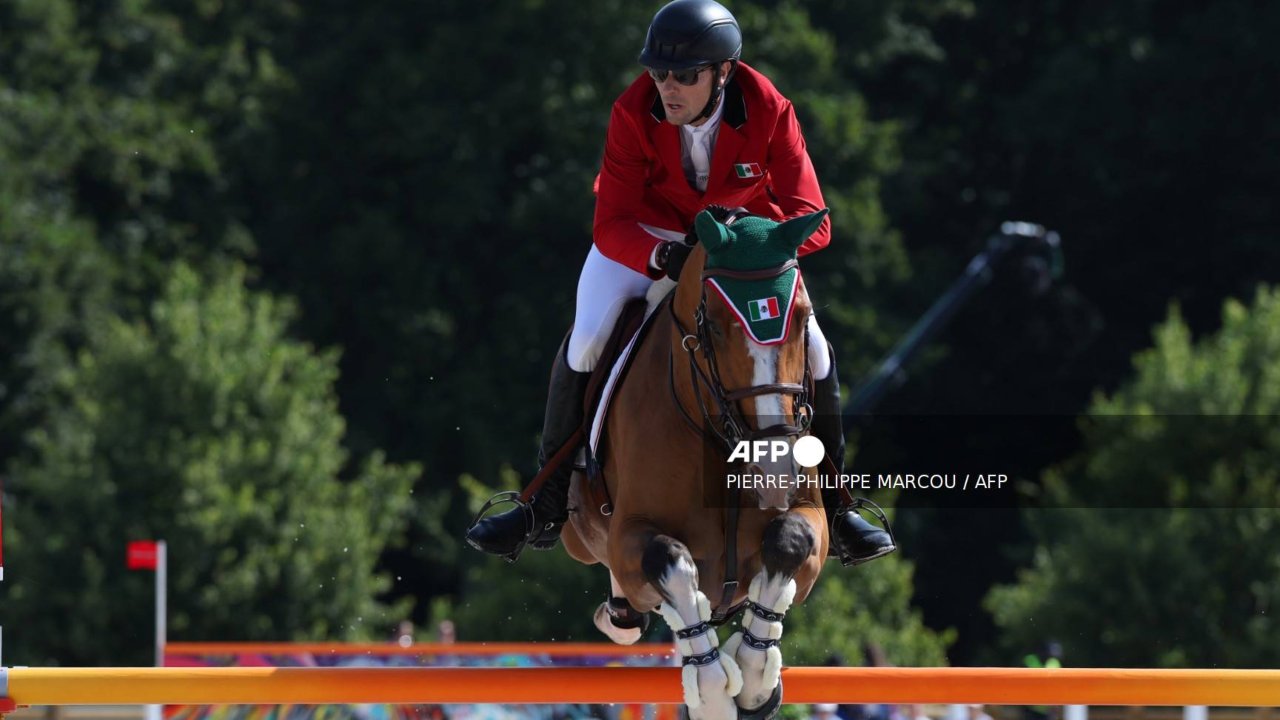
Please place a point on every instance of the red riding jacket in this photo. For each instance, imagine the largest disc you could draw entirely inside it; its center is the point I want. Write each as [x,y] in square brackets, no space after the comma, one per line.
[759,162]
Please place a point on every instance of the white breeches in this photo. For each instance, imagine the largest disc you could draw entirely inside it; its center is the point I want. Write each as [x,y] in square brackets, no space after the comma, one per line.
[605,287]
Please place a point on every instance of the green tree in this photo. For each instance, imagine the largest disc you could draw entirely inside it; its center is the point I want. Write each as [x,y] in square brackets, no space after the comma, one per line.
[547,596]
[1093,124]
[207,427]
[112,120]
[1161,553]
[851,607]
[1091,120]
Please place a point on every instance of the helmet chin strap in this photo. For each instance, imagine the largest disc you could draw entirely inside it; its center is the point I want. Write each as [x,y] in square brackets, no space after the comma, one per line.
[717,91]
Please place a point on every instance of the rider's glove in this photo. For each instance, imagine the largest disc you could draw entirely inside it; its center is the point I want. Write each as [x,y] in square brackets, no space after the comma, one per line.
[722,213]
[671,257]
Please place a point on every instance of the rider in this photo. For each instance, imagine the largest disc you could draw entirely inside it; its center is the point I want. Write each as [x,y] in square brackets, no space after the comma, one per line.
[699,128]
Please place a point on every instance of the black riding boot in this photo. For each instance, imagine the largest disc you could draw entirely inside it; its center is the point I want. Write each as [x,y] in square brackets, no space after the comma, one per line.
[506,534]
[853,539]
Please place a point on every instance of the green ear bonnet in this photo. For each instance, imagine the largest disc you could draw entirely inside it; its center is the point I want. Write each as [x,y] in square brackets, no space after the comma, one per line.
[755,243]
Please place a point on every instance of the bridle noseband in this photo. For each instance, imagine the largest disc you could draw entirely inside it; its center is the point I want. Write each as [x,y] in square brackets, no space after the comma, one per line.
[733,427]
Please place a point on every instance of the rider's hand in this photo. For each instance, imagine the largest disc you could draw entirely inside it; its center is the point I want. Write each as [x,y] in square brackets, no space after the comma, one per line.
[722,213]
[671,257]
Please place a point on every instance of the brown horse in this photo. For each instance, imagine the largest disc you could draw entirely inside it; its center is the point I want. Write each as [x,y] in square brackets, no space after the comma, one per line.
[725,362]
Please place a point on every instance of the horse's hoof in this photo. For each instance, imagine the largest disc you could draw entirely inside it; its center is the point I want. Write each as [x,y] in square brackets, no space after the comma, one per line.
[766,711]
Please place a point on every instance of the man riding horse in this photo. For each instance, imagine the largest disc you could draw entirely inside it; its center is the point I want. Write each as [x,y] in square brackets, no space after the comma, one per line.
[699,128]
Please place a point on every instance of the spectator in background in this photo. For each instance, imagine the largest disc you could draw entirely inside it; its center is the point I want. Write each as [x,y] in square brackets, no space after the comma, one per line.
[445,630]
[403,636]
[977,712]
[909,712]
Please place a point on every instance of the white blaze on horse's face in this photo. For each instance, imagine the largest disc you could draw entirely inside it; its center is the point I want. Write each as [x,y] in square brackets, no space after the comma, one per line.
[770,410]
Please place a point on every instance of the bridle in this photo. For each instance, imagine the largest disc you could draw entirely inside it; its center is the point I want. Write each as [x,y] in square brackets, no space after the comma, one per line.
[733,427]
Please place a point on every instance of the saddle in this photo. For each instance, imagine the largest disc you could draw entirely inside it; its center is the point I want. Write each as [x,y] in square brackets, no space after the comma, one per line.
[632,323]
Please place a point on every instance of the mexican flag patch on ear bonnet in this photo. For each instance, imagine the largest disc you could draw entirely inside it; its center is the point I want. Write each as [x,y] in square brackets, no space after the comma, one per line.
[756,243]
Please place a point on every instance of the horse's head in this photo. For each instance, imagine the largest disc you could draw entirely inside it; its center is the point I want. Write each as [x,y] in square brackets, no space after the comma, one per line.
[747,346]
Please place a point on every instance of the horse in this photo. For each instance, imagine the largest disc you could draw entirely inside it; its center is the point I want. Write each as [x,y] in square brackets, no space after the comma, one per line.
[711,376]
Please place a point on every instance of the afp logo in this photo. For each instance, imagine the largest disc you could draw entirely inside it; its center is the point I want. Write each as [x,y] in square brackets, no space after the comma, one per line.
[807,451]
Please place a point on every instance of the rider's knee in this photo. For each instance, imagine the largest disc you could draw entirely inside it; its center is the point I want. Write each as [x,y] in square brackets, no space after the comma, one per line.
[583,353]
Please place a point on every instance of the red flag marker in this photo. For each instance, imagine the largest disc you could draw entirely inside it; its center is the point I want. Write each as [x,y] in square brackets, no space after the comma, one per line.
[141,555]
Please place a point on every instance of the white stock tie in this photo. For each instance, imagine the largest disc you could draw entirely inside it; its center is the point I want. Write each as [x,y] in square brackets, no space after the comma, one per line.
[701,160]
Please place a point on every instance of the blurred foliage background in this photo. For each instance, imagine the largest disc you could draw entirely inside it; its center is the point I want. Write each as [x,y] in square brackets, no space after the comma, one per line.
[281,283]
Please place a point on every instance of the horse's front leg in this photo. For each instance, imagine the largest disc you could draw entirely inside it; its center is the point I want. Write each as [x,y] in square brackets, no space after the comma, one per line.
[787,548]
[711,680]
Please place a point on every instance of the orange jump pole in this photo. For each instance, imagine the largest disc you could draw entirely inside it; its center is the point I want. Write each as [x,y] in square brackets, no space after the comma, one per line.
[278,686]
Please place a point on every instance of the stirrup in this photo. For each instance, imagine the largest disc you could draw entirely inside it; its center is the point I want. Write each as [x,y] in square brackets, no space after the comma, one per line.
[510,496]
[859,503]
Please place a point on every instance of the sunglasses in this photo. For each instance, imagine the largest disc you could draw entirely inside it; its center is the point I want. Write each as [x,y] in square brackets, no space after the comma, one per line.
[684,77]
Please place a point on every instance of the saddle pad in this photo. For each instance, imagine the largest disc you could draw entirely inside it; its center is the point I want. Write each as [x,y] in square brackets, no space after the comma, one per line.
[657,293]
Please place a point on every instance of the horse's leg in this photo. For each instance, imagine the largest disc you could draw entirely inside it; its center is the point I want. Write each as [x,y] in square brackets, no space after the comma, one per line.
[786,548]
[616,618]
[710,679]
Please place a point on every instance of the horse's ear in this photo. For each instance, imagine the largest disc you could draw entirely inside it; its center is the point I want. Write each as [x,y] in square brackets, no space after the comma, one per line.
[711,234]
[798,229]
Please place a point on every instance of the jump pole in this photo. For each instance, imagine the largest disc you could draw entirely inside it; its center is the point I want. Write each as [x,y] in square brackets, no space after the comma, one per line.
[314,686]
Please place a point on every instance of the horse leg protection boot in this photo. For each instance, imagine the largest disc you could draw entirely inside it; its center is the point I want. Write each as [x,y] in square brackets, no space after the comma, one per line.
[853,539]
[507,533]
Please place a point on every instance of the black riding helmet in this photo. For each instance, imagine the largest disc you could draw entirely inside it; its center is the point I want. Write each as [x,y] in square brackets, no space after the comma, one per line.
[687,34]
